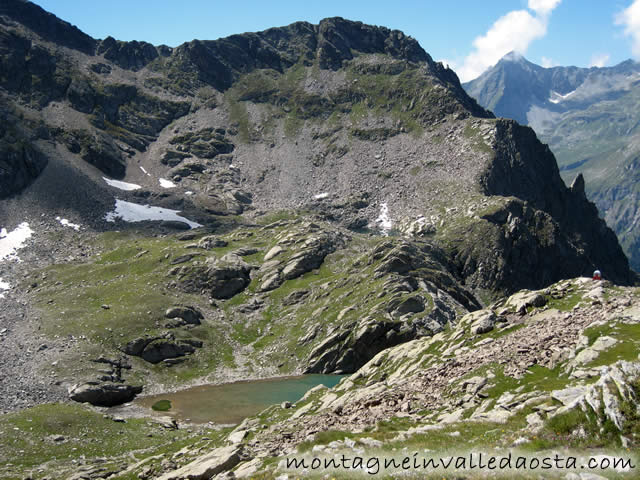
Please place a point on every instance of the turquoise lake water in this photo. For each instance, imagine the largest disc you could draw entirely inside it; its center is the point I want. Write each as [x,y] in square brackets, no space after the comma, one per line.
[233,402]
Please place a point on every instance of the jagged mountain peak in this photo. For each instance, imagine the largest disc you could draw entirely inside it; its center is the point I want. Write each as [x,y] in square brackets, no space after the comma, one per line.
[514,57]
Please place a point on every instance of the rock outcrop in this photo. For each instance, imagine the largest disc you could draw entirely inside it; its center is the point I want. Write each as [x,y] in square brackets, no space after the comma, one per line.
[185,315]
[220,279]
[104,394]
[209,465]
[20,163]
[163,348]
[110,389]
[421,297]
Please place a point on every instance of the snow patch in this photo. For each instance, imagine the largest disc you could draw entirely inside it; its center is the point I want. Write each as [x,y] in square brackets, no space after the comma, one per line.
[3,286]
[133,212]
[67,223]
[320,196]
[164,183]
[12,241]
[121,185]
[144,171]
[383,219]
[557,97]
[188,192]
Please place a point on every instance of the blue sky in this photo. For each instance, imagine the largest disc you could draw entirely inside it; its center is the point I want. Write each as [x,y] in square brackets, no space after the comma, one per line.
[470,35]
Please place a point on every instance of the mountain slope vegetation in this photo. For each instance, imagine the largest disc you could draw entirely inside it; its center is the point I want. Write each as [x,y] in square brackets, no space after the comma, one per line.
[307,199]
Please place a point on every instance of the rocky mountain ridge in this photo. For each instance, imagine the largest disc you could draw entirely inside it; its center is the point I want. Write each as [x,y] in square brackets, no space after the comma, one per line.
[587,116]
[269,111]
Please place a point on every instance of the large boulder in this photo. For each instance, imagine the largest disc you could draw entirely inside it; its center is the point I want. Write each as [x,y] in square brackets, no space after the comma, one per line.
[187,315]
[520,301]
[160,348]
[480,321]
[137,345]
[163,349]
[223,279]
[209,465]
[104,394]
[311,255]
[211,241]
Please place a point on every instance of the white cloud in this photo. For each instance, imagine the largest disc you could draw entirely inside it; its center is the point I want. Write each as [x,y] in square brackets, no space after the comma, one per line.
[513,31]
[599,60]
[543,7]
[630,19]
[547,62]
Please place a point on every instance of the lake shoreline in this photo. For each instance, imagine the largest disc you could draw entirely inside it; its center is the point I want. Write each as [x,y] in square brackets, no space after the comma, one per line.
[230,403]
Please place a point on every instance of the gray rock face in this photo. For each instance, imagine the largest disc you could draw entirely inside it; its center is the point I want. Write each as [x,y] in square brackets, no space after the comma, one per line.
[48,26]
[128,55]
[209,242]
[20,164]
[160,348]
[345,351]
[523,300]
[312,254]
[548,232]
[224,279]
[163,349]
[105,156]
[209,465]
[104,394]
[482,321]
[562,106]
[422,298]
[413,304]
[188,315]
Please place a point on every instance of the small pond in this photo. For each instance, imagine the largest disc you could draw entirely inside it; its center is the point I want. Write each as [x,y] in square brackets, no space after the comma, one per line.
[233,402]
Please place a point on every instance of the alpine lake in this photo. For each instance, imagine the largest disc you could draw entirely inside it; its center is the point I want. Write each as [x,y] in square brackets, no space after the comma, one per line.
[231,403]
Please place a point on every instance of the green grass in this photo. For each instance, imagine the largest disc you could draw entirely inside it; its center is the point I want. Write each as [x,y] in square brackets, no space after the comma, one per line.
[134,287]
[292,124]
[566,303]
[576,430]
[473,133]
[627,347]
[29,436]
[57,439]
[239,115]
[537,378]
[162,406]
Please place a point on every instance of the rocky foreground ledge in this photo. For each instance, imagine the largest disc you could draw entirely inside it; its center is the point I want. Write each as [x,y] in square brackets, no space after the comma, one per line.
[550,370]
